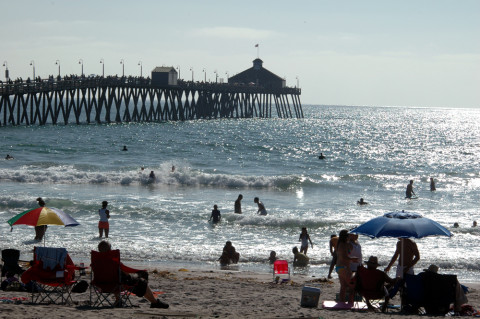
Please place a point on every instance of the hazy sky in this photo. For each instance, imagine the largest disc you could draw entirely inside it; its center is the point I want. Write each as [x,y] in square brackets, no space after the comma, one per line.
[343,52]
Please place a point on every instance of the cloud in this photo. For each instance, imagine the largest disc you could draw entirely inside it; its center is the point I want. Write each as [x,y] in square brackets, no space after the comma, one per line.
[232,32]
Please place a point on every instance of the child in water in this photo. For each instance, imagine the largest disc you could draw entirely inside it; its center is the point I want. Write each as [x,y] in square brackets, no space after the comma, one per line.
[215,214]
[304,238]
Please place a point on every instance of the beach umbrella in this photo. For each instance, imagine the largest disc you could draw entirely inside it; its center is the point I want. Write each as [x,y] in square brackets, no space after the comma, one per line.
[401,225]
[43,216]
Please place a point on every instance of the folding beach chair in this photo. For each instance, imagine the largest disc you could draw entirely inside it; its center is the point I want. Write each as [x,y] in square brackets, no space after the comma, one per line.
[370,285]
[106,280]
[413,294]
[280,267]
[10,265]
[440,292]
[53,274]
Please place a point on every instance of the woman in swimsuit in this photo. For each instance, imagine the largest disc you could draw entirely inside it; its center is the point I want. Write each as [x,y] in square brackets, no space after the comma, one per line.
[343,266]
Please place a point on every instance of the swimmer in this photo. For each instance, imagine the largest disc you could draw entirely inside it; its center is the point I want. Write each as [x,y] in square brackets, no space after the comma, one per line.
[173,168]
[455,225]
[215,215]
[361,202]
[321,156]
[474,223]
[9,157]
[261,208]
[409,191]
[152,175]
[124,148]
[238,204]
[432,185]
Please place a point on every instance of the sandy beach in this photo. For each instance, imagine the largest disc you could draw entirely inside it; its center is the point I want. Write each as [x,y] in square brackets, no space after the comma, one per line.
[209,294]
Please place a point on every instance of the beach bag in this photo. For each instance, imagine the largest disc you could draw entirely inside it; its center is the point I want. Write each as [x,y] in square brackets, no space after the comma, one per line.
[80,287]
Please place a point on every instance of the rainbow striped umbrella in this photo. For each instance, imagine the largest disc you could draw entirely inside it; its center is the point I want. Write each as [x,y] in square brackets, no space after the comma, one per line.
[43,216]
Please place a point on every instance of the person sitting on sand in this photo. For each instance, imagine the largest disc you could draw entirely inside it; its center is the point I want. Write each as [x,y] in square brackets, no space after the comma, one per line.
[138,280]
[299,259]
[261,208]
[229,255]
[361,202]
[273,257]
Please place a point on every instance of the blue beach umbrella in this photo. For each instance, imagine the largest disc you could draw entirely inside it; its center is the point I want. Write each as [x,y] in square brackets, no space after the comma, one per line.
[401,225]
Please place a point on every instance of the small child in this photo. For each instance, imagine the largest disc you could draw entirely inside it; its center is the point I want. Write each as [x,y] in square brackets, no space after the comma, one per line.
[305,238]
[273,257]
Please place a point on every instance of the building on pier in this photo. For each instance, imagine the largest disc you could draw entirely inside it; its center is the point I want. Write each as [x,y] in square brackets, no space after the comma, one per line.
[257,75]
[164,75]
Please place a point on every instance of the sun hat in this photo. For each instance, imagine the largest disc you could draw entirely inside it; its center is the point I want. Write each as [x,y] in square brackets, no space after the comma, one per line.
[372,261]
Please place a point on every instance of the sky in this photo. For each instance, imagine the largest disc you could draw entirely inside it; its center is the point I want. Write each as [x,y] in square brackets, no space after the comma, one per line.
[421,53]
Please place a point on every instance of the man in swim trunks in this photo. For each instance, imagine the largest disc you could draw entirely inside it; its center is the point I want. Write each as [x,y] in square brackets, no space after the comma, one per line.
[333,252]
[261,208]
[408,258]
[409,192]
[238,204]
[103,224]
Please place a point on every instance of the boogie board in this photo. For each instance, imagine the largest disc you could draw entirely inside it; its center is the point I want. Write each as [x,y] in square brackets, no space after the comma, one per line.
[333,305]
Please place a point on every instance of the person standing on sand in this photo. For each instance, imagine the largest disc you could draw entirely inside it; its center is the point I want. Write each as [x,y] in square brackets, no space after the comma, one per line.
[261,208]
[333,251]
[343,266]
[409,255]
[409,191]
[103,224]
[238,204]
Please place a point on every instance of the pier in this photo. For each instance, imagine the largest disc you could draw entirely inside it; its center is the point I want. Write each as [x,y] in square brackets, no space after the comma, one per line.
[252,93]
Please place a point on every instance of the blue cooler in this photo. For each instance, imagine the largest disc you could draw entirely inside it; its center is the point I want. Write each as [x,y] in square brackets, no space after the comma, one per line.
[310,297]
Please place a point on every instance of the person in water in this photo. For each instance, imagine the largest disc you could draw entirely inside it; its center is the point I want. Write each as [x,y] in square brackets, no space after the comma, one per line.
[229,255]
[124,148]
[409,192]
[152,175]
[321,156]
[361,202]
[9,157]
[238,204]
[304,238]
[261,208]
[40,230]
[299,259]
[215,215]
[432,185]
[103,224]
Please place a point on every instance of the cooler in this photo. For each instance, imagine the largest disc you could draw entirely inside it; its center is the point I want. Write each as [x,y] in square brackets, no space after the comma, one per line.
[310,296]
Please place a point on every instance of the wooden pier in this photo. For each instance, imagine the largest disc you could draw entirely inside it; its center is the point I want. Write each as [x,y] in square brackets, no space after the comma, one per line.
[82,100]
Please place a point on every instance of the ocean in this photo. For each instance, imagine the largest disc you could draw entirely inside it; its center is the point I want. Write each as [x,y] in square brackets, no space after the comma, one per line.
[371,152]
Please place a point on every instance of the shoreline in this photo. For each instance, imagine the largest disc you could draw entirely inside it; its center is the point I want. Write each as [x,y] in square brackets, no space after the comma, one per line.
[212,293]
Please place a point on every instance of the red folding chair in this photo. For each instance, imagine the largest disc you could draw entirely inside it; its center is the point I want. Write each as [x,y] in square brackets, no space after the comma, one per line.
[53,275]
[106,280]
[280,267]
